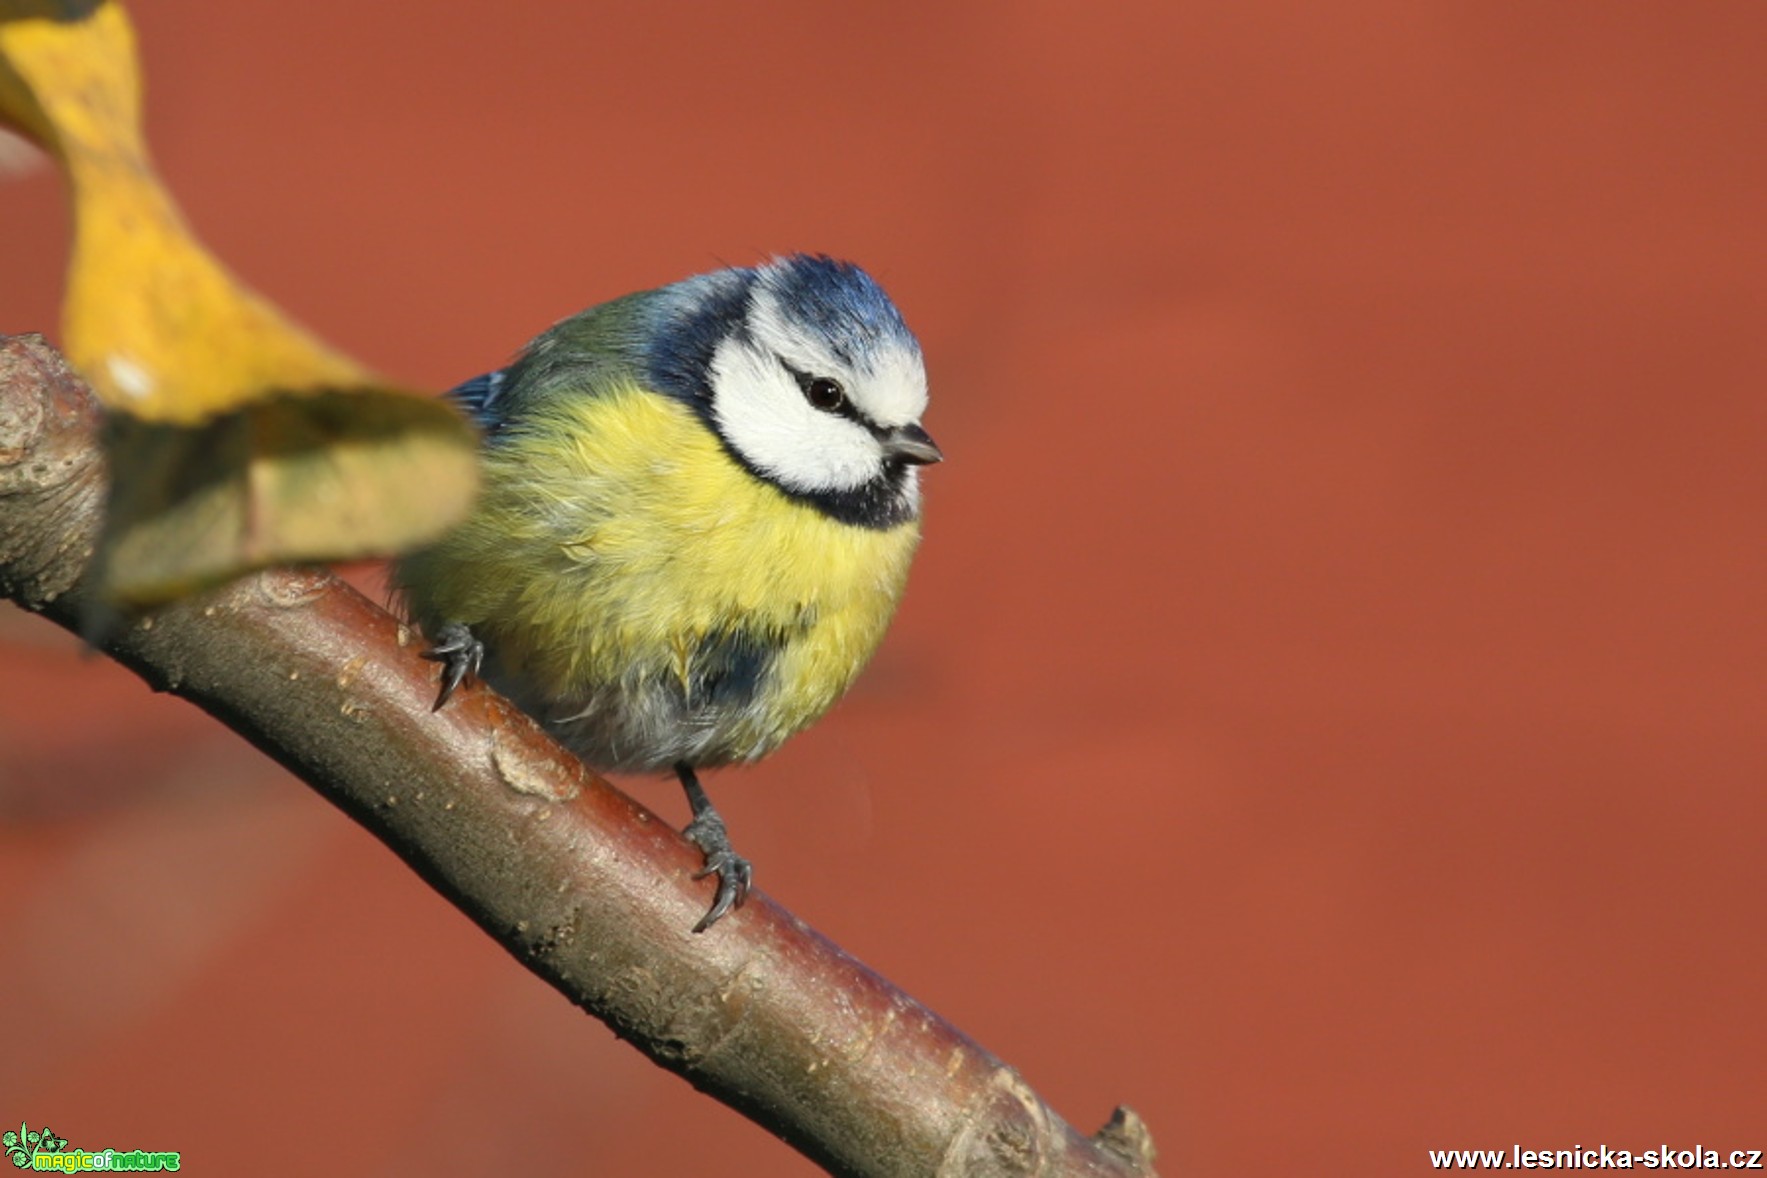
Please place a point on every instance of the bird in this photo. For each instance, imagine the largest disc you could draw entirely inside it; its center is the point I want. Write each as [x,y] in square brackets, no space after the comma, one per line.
[698,505]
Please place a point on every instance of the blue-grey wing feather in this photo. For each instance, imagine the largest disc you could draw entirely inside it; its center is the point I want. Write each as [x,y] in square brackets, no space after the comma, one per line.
[479,398]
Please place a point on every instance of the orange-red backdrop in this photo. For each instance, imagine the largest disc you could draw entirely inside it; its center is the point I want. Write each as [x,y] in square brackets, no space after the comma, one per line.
[1326,714]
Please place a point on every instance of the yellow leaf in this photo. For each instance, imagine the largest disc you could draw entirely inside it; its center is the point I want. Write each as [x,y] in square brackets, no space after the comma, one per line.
[246,441]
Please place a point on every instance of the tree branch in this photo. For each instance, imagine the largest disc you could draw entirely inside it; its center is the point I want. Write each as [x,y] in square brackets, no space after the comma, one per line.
[584,886]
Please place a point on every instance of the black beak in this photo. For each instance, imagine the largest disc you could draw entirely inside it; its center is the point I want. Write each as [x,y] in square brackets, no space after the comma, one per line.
[910,444]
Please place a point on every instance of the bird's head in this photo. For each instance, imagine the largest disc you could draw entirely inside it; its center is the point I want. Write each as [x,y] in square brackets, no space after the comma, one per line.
[808,374]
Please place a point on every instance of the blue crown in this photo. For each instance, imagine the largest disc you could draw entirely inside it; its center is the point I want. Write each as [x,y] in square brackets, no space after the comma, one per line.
[842,303]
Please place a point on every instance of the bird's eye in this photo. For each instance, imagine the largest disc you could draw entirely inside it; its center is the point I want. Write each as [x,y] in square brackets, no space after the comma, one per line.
[825,394]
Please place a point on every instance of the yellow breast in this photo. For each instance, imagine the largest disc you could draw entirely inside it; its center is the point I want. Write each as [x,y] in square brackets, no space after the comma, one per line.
[616,542]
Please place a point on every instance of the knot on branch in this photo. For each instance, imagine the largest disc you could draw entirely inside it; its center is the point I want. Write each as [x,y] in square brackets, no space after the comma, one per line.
[47,463]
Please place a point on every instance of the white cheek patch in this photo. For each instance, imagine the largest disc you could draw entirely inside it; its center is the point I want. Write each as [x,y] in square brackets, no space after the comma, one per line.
[763,415]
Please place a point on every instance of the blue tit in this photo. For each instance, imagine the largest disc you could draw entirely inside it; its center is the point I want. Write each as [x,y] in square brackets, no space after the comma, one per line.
[697,512]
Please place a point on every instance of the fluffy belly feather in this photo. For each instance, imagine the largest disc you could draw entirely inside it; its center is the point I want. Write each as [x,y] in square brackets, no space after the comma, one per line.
[646,597]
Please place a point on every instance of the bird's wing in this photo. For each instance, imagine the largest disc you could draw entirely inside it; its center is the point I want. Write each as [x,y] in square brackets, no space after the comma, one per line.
[478,397]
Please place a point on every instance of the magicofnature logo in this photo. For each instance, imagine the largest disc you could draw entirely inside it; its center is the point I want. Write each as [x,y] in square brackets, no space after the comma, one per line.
[43,1151]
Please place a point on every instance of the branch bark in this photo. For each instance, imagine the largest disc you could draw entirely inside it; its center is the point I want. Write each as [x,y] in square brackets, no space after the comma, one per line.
[581,884]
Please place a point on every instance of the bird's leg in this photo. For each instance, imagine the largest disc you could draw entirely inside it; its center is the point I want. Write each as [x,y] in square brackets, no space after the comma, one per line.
[707,832]
[460,655]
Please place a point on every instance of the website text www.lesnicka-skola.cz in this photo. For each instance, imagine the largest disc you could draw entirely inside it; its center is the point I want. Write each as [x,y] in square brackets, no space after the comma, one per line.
[1596,1157]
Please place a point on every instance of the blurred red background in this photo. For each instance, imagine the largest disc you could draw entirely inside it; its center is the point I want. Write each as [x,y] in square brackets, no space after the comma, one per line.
[1327,711]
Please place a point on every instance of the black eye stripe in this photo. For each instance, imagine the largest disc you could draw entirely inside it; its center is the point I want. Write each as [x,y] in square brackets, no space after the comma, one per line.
[826,394]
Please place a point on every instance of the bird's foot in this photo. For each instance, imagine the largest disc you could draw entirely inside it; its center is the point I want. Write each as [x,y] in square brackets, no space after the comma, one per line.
[707,832]
[734,873]
[460,655]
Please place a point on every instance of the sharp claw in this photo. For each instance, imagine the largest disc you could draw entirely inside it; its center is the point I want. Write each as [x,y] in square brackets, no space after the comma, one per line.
[460,655]
[452,673]
[707,832]
[734,874]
